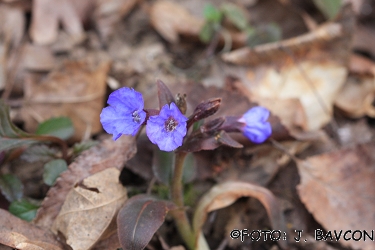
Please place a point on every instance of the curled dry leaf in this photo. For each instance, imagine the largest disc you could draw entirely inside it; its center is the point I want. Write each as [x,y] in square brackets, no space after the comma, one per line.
[170,19]
[225,194]
[358,93]
[139,219]
[20,234]
[337,188]
[75,90]
[310,69]
[89,209]
[105,155]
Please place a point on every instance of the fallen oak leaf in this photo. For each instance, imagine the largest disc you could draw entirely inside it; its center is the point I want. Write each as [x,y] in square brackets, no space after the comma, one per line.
[107,154]
[95,201]
[337,189]
[225,194]
[20,234]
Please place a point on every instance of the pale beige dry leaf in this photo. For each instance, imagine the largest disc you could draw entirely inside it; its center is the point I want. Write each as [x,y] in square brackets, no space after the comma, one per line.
[48,15]
[12,25]
[107,154]
[225,194]
[89,208]
[108,13]
[21,234]
[310,69]
[337,189]
[38,58]
[358,93]
[75,90]
[171,19]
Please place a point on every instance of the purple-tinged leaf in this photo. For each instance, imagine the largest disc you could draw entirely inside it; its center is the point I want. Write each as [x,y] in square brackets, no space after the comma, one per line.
[11,187]
[139,219]
[10,135]
[204,110]
[208,141]
[164,94]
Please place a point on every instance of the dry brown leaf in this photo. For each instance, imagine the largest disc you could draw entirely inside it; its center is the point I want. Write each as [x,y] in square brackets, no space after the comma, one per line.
[108,13]
[75,90]
[107,154]
[311,68]
[89,208]
[20,234]
[171,19]
[337,188]
[48,15]
[225,194]
[358,93]
[38,58]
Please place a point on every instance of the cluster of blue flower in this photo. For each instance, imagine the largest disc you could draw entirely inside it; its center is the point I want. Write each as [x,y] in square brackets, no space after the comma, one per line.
[167,129]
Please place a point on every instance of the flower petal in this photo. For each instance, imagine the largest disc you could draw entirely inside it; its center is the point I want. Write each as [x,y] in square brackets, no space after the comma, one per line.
[157,132]
[256,114]
[258,132]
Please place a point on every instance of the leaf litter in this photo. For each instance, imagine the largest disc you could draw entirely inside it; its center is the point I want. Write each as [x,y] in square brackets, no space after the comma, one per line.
[320,93]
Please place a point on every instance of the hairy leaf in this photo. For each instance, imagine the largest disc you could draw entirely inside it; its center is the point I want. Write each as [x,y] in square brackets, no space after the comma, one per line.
[10,135]
[82,146]
[23,209]
[329,8]
[235,15]
[61,127]
[41,152]
[211,13]
[139,219]
[164,94]
[52,170]
[11,187]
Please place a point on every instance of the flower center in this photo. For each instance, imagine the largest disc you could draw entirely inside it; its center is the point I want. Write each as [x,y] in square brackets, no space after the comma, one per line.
[170,124]
[136,117]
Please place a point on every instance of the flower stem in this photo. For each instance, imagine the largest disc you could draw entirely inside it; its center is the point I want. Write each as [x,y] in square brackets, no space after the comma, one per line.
[179,215]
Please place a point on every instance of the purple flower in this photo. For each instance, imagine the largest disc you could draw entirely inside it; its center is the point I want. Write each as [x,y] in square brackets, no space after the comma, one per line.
[256,127]
[125,114]
[167,129]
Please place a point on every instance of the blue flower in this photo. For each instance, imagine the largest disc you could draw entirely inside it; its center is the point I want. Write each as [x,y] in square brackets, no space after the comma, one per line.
[256,127]
[125,114]
[167,129]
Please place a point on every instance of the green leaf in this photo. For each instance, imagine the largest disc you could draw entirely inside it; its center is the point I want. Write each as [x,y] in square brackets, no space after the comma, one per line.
[189,170]
[36,153]
[162,165]
[23,209]
[263,34]
[10,135]
[82,146]
[235,15]
[212,14]
[11,187]
[207,32]
[139,218]
[329,8]
[61,127]
[52,170]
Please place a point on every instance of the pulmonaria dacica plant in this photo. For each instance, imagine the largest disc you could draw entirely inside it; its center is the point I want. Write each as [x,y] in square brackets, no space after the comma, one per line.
[255,125]
[125,114]
[167,129]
